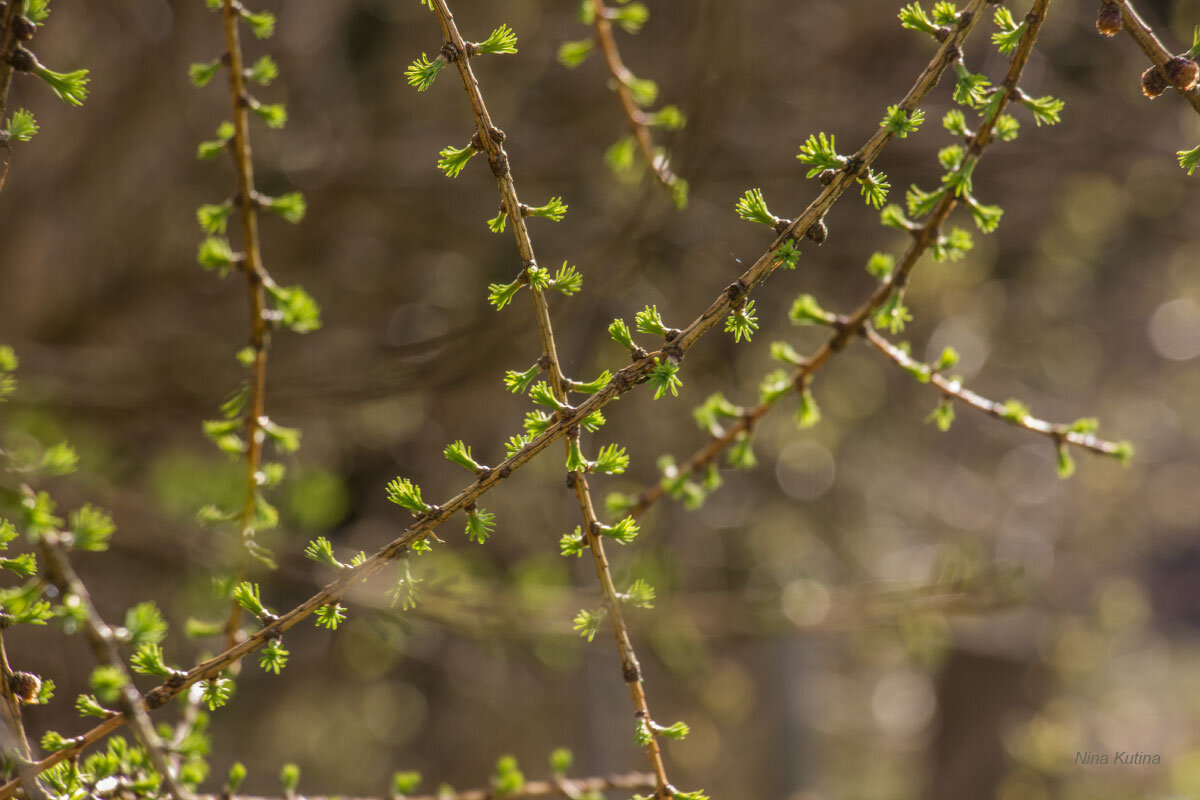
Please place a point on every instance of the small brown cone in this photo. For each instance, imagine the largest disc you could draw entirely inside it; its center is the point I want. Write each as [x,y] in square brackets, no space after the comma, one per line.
[1153,83]
[1108,21]
[26,686]
[1183,73]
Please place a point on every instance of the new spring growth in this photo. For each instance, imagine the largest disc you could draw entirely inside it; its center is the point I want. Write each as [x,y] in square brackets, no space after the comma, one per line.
[820,153]
[913,17]
[407,494]
[423,72]
[71,87]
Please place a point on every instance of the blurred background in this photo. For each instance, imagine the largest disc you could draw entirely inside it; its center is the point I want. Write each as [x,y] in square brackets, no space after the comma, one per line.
[791,631]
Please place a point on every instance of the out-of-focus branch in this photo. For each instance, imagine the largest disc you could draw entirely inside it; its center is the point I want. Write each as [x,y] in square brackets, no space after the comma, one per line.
[564,787]
[104,647]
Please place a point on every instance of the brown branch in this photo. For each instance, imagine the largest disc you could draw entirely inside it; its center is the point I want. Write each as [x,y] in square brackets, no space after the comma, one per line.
[492,145]
[923,237]
[1152,47]
[564,787]
[659,165]
[624,380]
[251,264]
[104,647]
[8,42]
[1060,434]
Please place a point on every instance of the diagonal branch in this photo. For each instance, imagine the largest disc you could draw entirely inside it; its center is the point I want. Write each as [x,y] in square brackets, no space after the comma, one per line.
[952,389]
[1151,46]
[924,237]
[8,41]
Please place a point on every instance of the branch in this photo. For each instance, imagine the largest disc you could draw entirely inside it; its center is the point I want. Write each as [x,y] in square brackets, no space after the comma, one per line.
[1151,46]
[16,730]
[564,787]
[8,42]
[491,143]
[952,388]
[924,236]
[622,381]
[675,186]
[104,647]
[252,267]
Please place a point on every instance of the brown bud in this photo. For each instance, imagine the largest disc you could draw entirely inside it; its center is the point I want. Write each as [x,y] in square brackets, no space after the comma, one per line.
[1153,83]
[22,60]
[1183,73]
[826,177]
[818,232]
[1108,21]
[25,685]
[24,28]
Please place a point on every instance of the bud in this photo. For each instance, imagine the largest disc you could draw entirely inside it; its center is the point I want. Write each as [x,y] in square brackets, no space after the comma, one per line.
[817,232]
[1108,21]
[1153,83]
[1183,73]
[22,60]
[26,686]
[23,28]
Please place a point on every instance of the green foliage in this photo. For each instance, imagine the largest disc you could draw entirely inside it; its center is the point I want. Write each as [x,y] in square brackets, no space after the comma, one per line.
[649,321]
[640,594]
[405,783]
[201,73]
[291,206]
[567,280]
[264,71]
[970,90]
[752,208]
[611,460]
[554,210]
[1010,32]
[451,160]
[508,779]
[422,72]
[212,148]
[1046,110]
[808,413]
[788,255]
[216,692]
[246,595]
[459,453]
[624,531]
[273,657]
[587,622]
[914,18]
[148,660]
[144,624]
[1189,159]
[330,615]
[289,777]
[501,40]
[807,311]
[71,87]
[480,525]
[901,122]
[406,494]
[21,126]
[742,323]
[572,54]
[663,377]
[262,23]
[273,114]
[820,153]
[618,331]
[874,187]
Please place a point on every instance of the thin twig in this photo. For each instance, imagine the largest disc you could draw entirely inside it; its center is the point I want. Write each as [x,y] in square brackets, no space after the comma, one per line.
[953,389]
[659,165]
[16,730]
[104,647]
[623,381]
